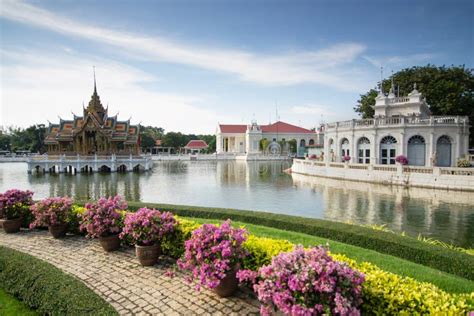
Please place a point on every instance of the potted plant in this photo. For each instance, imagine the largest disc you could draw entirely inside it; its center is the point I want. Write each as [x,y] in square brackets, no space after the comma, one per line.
[145,229]
[14,206]
[103,220]
[402,160]
[213,256]
[53,213]
[306,282]
[346,158]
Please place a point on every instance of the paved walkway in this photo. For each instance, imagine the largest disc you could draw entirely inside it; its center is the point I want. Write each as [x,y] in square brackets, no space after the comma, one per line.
[121,281]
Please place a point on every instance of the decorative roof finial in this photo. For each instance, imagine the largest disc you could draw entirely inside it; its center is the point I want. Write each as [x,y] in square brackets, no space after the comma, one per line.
[381,79]
[95,87]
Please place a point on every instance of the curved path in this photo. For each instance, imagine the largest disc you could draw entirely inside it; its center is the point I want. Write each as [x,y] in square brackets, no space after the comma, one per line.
[121,281]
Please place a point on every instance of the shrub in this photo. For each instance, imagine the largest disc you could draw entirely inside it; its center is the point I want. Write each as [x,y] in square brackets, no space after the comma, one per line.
[408,248]
[261,251]
[51,211]
[147,226]
[103,218]
[15,203]
[401,160]
[463,163]
[388,293]
[75,218]
[173,244]
[306,282]
[47,289]
[212,252]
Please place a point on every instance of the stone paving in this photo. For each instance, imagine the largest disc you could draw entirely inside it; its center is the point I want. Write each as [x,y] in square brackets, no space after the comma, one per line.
[121,281]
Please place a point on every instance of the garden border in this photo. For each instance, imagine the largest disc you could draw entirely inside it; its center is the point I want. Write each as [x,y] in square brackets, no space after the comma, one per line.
[47,289]
[408,248]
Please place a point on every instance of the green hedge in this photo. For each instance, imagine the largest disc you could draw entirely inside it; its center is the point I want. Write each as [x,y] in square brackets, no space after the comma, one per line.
[47,289]
[434,256]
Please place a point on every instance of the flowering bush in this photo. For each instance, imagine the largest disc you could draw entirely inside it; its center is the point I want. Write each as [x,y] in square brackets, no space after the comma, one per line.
[346,158]
[401,160]
[147,226]
[213,251]
[51,211]
[15,203]
[463,163]
[313,156]
[306,282]
[104,217]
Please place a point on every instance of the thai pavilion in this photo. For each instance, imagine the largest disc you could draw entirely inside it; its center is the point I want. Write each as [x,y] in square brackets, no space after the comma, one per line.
[93,133]
[401,126]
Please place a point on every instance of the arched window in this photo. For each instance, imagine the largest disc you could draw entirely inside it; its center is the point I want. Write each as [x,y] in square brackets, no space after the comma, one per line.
[443,151]
[302,143]
[311,142]
[345,151]
[416,151]
[363,148]
[388,150]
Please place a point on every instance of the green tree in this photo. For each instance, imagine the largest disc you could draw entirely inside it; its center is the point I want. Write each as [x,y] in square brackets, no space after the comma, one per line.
[264,144]
[293,145]
[448,91]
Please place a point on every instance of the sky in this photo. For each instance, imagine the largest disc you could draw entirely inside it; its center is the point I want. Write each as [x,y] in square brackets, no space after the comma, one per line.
[188,65]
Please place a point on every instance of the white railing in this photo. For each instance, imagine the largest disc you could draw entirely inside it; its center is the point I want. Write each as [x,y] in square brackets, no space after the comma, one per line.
[391,168]
[398,121]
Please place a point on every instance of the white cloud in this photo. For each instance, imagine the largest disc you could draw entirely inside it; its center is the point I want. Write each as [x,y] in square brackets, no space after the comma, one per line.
[398,61]
[36,88]
[325,66]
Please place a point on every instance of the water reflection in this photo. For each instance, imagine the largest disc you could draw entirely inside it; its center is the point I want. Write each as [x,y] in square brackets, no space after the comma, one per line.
[444,215]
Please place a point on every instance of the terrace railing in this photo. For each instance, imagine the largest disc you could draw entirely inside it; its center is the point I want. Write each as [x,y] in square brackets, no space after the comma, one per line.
[399,121]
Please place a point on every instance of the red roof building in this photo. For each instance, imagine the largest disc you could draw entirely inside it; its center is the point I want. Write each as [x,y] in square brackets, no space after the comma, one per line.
[195,146]
[247,139]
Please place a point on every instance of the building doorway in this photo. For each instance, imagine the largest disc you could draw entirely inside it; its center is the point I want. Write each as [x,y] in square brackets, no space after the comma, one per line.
[416,151]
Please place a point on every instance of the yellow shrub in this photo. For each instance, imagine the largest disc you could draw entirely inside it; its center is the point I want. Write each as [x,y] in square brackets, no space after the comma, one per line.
[262,250]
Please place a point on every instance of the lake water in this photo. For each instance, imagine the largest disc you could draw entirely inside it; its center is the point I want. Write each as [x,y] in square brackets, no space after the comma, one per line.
[447,216]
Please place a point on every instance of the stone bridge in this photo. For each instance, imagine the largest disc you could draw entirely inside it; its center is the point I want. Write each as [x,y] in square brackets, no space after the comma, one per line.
[88,164]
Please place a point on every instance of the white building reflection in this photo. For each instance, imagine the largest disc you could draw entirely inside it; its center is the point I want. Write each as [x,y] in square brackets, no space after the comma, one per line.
[414,211]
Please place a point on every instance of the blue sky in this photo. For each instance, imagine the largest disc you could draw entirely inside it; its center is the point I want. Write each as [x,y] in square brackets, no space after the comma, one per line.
[187,65]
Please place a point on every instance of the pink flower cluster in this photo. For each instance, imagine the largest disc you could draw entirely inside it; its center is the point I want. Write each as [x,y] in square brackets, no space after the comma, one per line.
[401,160]
[51,211]
[212,252]
[306,282]
[147,226]
[346,158]
[103,218]
[14,203]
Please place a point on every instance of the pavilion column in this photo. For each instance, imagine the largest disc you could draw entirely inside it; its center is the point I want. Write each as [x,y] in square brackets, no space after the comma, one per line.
[402,143]
[374,157]
[431,150]
[354,149]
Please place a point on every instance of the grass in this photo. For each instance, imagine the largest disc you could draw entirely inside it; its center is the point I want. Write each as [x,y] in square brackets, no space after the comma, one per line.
[11,306]
[448,282]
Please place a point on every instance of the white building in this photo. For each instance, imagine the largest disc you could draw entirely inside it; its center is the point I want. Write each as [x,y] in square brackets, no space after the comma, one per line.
[245,139]
[401,126]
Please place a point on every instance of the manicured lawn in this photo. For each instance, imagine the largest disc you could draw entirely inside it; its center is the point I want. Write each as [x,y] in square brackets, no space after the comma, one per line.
[445,281]
[10,306]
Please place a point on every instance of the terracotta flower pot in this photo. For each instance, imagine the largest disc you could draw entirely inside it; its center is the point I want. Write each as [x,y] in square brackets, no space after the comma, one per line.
[228,284]
[110,243]
[11,225]
[58,231]
[148,255]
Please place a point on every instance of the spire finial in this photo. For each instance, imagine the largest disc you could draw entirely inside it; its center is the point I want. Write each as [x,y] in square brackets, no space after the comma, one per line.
[95,87]
[381,79]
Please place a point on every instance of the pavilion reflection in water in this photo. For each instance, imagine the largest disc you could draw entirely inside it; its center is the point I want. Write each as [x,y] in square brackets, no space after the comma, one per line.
[92,186]
[413,210]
